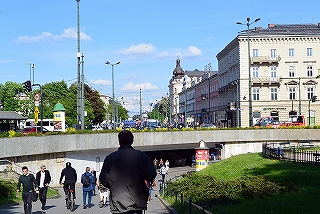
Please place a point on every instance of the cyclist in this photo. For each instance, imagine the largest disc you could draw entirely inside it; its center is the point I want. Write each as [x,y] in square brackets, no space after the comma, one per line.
[70,178]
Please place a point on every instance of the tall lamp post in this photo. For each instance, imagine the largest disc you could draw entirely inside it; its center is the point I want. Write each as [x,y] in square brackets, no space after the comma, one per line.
[79,94]
[249,68]
[113,106]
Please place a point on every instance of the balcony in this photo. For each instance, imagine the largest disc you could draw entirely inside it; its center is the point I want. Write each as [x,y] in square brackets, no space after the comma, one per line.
[264,59]
[266,80]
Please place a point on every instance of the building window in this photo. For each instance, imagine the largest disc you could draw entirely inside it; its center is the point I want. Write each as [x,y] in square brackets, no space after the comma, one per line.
[292,71]
[291,52]
[274,93]
[292,93]
[273,53]
[309,52]
[255,72]
[255,53]
[273,72]
[310,93]
[256,93]
[309,70]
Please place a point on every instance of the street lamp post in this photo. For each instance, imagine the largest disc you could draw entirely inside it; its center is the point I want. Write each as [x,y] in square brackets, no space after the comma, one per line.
[79,95]
[249,68]
[113,106]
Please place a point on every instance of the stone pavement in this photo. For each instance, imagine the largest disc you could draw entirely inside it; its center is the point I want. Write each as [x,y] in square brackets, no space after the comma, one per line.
[57,205]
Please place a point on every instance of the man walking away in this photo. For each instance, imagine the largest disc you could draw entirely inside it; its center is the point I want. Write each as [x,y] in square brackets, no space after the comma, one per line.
[87,181]
[124,172]
[28,181]
[43,179]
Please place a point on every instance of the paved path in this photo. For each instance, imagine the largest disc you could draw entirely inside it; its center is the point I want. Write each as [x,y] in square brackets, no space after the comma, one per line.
[57,205]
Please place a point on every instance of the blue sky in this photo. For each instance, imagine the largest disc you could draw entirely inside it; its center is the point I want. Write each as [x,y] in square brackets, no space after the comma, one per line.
[146,36]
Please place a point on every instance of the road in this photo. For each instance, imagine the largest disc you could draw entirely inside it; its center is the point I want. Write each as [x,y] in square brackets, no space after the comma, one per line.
[57,205]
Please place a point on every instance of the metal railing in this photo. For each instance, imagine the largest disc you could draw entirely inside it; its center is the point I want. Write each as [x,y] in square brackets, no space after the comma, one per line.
[293,154]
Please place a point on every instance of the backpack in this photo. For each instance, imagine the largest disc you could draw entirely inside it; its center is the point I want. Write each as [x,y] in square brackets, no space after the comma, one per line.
[86,181]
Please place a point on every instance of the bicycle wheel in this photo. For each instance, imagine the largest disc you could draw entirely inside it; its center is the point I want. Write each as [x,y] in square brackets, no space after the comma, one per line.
[71,198]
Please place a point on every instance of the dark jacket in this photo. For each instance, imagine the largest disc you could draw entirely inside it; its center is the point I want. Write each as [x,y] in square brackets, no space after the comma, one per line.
[124,172]
[70,175]
[47,178]
[89,188]
[28,182]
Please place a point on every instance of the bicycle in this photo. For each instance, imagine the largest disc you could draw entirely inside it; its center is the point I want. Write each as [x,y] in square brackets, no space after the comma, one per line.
[70,199]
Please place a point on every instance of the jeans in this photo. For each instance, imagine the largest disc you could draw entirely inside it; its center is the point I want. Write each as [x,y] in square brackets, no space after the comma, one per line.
[85,193]
[43,197]
[26,197]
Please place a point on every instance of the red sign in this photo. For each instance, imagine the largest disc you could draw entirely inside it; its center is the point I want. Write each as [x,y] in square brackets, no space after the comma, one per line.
[202,154]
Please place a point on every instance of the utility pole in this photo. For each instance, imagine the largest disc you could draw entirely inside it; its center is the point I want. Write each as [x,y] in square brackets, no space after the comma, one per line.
[79,95]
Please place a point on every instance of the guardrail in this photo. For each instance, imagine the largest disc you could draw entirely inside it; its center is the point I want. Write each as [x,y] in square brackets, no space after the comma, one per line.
[297,154]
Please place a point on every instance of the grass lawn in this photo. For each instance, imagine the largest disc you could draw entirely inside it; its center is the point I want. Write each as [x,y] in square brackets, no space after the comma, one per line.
[306,178]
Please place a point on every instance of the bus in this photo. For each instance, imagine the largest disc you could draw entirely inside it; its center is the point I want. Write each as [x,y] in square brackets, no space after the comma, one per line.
[47,123]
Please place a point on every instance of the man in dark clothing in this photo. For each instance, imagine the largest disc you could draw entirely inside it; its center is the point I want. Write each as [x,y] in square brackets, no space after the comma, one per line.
[28,181]
[125,173]
[43,179]
[70,179]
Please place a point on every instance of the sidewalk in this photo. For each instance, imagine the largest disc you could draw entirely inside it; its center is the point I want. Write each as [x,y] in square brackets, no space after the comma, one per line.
[57,205]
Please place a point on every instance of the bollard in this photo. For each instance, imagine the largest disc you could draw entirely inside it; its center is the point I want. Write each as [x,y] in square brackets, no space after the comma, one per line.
[190,205]
[203,207]
[181,197]
[176,194]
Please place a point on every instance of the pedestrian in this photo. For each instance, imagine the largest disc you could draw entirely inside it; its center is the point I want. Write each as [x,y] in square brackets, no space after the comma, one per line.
[87,181]
[124,172]
[29,183]
[70,179]
[150,186]
[43,179]
[163,173]
[104,194]
[167,165]
[155,164]
[94,174]
[160,163]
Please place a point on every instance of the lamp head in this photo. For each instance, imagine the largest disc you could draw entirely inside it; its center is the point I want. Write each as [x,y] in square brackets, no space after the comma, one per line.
[117,63]
[258,19]
[107,62]
[239,23]
[248,19]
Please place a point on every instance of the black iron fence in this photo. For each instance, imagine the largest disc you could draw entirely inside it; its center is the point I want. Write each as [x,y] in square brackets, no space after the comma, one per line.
[301,154]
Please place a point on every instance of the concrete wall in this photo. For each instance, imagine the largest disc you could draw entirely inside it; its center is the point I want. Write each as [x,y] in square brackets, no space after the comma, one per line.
[90,150]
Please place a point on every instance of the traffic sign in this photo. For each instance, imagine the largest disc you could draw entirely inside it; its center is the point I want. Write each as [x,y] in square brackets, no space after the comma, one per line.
[36,113]
[37,97]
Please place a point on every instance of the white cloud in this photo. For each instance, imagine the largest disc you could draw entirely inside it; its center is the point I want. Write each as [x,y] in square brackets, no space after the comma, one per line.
[3,61]
[69,33]
[136,87]
[163,54]
[192,52]
[140,49]
[101,82]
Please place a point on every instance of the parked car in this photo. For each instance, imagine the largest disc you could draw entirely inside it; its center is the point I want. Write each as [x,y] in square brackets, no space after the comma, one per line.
[33,129]
[207,125]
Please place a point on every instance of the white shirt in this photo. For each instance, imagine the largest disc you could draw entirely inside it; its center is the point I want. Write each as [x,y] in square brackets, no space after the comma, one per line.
[42,174]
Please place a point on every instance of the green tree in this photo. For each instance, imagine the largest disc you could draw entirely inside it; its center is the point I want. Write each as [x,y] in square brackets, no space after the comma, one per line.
[13,98]
[98,106]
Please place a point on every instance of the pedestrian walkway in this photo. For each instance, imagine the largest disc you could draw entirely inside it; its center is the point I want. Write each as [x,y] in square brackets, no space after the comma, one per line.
[57,205]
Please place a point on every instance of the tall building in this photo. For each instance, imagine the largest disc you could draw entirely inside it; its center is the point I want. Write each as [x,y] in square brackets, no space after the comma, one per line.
[182,95]
[284,64]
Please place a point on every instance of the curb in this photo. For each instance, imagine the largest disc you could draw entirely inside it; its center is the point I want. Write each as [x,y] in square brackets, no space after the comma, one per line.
[170,209]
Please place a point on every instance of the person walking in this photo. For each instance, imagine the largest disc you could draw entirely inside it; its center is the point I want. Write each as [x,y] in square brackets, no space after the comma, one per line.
[94,174]
[29,183]
[70,179]
[124,172]
[104,194]
[155,164]
[163,173]
[43,179]
[87,181]
[167,166]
